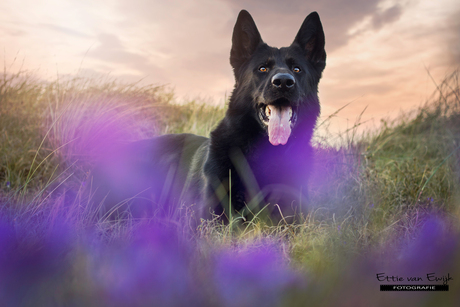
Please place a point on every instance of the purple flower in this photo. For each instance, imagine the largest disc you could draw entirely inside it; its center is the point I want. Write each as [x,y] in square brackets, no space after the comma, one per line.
[30,257]
[254,277]
[153,269]
[434,248]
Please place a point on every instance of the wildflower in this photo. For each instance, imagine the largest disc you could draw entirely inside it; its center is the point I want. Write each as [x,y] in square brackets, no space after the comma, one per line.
[152,269]
[253,278]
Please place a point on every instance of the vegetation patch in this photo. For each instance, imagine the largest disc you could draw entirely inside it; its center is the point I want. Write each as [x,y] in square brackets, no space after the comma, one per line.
[385,202]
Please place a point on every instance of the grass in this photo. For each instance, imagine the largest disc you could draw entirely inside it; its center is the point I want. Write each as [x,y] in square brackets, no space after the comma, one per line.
[378,202]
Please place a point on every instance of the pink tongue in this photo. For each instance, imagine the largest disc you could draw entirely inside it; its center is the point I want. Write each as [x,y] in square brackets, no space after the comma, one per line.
[279,127]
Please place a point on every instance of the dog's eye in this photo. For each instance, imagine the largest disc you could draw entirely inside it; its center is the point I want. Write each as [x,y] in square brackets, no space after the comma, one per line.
[263,69]
[296,69]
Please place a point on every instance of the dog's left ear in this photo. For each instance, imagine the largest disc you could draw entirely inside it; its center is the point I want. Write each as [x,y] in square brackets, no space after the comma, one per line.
[311,39]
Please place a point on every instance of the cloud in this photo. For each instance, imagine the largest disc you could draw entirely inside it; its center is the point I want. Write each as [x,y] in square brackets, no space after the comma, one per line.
[191,40]
[277,18]
[64,30]
[112,51]
[453,39]
[388,16]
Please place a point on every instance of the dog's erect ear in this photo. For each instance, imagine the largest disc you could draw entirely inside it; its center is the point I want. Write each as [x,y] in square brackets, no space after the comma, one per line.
[311,39]
[245,39]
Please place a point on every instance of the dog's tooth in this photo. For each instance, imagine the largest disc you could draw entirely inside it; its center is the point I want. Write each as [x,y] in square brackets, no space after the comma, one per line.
[268,111]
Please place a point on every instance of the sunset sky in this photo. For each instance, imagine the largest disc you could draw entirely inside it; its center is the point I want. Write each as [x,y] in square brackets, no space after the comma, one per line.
[378,52]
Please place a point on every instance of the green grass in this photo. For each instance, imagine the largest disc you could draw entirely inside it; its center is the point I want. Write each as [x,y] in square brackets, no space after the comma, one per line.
[44,123]
[376,188]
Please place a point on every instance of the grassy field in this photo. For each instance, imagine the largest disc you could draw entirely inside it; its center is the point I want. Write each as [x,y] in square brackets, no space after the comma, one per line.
[387,202]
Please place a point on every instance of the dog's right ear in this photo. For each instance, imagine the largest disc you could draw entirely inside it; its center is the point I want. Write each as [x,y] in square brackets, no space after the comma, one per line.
[246,38]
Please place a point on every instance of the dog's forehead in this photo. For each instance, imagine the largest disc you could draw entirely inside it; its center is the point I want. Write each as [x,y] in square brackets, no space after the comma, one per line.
[277,55]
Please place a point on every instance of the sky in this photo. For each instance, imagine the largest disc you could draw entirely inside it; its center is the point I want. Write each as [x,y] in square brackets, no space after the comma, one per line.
[379,52]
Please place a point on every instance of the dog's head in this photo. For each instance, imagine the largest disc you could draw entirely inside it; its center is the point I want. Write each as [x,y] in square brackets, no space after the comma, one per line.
[279,85]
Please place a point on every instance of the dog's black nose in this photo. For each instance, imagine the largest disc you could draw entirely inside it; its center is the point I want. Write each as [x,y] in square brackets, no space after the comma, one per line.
[283,81]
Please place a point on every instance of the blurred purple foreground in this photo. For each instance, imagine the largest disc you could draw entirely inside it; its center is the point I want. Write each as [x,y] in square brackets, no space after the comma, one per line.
[55,265]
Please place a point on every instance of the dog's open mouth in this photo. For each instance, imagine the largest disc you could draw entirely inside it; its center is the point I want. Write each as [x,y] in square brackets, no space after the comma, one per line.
[279,121]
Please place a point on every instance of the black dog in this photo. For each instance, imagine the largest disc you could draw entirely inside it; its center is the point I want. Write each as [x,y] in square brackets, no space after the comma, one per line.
[259,154]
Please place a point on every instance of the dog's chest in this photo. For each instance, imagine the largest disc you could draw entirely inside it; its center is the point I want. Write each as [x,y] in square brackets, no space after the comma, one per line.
[268,164]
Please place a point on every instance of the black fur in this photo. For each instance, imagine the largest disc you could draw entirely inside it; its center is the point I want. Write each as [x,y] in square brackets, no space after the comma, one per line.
[238,156]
